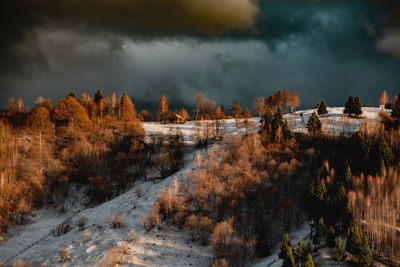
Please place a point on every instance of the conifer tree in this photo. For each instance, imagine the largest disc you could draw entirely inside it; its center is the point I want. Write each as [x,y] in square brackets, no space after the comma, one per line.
[285,246]
[338,252]
[385,152]
[300,251]
[313,123]
[288,260]
[330,238]
[307,250]
[365,253]
[309,261]
[357,106]
[396,109]
[321,231]
[72,94]
[322,109]
[348,178]
[353,241]
[349,106]
[347,217]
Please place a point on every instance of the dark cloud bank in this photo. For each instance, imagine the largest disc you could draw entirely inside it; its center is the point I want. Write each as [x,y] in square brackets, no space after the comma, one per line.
[228,49]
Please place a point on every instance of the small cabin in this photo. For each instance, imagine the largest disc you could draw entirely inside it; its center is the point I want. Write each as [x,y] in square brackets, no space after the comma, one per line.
[176,118]
[382,107]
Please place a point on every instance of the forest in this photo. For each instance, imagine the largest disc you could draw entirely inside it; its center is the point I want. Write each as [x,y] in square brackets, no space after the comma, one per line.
[246,192]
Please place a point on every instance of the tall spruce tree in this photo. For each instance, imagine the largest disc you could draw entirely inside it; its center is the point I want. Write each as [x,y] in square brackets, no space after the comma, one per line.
[321,231]
[309,261]
[322,108]
[330,238]
[396,109]
[357,109]
[349,106]
[313,123]
[365,254]
[338,252]
[353,241]
[300,251]
[385,152]
[348,178]
[288,260]
[285,246]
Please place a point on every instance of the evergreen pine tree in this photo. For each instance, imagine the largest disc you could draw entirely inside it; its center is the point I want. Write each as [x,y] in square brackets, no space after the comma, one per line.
[365,253]
[317,105]
[98,96]
[338,252]
[72,94]
[306,251]
[347,217]
[285,246]
[322,109]
[309,261]
[396,109]
[349,106]
[313,123]
[385,152]
[300,251]
[288,260]
[348,179]
[353,241]
[330,238]
[321,231]
[357,108]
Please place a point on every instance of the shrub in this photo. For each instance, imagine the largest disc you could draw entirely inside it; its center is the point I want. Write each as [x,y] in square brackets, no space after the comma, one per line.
[113,257]
[143,220]
[64,255]
[133,201]
[20,263]
[63,227]
[117,221]
[86,234]
[82,222]
[132,235]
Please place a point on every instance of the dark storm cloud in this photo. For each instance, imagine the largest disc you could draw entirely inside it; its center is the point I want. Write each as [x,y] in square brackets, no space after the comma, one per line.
[229,49]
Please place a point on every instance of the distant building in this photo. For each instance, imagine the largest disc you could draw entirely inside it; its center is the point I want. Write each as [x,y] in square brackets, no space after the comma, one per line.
[176,118]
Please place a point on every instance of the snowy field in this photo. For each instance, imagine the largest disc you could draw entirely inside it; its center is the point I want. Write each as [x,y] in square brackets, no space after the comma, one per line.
[166,246]
[334,122]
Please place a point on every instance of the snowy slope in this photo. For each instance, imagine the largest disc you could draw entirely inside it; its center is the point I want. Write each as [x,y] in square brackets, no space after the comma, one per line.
[165,247]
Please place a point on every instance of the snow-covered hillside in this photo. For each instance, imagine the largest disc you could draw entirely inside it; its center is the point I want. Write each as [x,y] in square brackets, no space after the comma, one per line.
[159,247]
[333,122]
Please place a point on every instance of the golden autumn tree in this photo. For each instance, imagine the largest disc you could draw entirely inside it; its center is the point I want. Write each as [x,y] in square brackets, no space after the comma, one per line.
[126,113]
[162,113]
[41,124]
[72,114]
[294,101]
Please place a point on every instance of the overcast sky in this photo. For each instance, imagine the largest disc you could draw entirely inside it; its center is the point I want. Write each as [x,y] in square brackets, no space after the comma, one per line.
[227,49]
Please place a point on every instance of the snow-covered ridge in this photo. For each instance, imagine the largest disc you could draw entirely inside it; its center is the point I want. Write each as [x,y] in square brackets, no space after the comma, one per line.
[333,122]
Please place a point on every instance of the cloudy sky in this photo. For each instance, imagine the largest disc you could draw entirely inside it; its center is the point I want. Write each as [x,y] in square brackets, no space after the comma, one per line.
[227,49]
